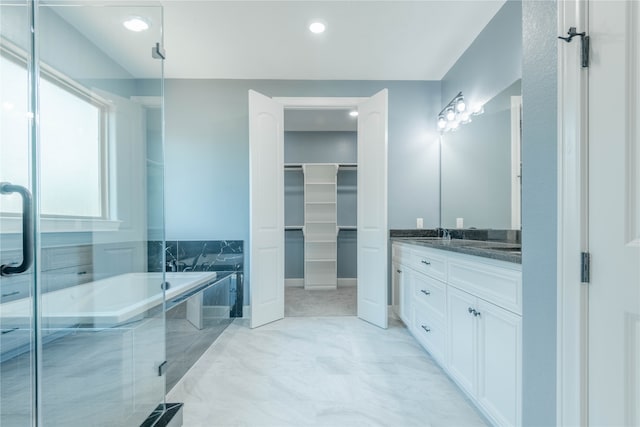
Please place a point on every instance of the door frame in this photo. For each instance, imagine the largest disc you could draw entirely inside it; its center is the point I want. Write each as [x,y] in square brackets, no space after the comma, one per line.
[319,103]
[573,221]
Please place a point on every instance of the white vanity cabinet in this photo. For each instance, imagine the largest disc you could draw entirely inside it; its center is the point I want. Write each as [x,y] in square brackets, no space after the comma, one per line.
[466,311]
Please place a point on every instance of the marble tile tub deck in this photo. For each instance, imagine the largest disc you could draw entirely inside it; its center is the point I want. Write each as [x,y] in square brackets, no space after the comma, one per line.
[320,371]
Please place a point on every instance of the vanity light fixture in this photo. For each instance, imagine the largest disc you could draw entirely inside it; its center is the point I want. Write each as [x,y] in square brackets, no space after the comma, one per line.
[456,112]
[136,24]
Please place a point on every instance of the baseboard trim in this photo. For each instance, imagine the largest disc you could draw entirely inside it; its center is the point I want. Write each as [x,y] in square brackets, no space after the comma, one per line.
[346,282]
[295,283]
[342,282]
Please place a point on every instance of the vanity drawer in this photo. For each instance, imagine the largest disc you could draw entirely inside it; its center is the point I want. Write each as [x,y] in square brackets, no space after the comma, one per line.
[430,263]
[61,278]
[66,256]
[430,292]
[496,284]
[429,331]
[15,287]
[400,251]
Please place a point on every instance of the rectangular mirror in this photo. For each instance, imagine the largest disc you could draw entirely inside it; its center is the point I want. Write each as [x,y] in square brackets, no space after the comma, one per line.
[480,167]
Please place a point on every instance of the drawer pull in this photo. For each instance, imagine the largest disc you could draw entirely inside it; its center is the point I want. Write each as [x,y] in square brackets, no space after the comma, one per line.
[425,262]
[399,271]
[81,273]
[426,292]
[10,294]
[426,328]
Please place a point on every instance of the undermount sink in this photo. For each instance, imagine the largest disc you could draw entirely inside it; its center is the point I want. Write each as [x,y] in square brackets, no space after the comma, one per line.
[503,248]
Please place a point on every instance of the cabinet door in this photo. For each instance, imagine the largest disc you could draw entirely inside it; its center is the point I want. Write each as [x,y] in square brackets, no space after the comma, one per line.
[404,285]
[396,271]
[462,338]
[499,363]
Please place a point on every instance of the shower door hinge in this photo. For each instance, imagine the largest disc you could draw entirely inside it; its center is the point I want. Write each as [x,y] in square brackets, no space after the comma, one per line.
[162,368]
[584,44]
[157,52]
[585,267]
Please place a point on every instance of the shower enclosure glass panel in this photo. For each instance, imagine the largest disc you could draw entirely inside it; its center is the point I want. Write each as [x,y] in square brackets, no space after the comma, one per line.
[94,165]
[17,338]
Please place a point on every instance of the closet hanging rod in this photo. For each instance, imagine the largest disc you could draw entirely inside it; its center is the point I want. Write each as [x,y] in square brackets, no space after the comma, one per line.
[296,166]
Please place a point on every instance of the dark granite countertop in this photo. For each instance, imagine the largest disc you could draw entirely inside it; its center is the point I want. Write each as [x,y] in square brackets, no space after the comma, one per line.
[510,252]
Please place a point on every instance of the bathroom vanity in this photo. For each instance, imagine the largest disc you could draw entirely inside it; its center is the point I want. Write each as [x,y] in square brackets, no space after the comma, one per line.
[462,301]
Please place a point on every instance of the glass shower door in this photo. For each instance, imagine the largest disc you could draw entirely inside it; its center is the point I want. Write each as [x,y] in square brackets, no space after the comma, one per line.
[102,311]
[83,333]
[17,279]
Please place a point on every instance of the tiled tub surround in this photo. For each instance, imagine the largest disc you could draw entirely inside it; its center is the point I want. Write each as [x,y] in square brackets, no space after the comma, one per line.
[197,255]
[203,255]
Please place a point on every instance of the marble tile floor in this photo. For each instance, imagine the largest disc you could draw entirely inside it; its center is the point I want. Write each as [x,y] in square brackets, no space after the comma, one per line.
[320,372]
[301,302]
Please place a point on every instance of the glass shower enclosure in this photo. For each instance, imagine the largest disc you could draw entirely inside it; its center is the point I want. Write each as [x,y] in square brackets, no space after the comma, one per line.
[81,194]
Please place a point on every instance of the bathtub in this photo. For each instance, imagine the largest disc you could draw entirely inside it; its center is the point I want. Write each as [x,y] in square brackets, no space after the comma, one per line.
[105,303]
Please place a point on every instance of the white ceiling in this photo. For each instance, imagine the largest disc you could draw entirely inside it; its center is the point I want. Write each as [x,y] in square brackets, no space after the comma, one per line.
[365,40]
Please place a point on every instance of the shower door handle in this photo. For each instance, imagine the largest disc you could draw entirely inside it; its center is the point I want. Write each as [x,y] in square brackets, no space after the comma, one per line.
[27,228]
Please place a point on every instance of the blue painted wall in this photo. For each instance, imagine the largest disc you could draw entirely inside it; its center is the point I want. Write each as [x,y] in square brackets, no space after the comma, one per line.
[492,62]
[539,207]
[207,151]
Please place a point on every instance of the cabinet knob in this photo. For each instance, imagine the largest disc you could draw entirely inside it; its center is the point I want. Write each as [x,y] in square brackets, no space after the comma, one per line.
[477,313]
[426,328]
[424,291]
[425,262]
[399,271]
[472,311]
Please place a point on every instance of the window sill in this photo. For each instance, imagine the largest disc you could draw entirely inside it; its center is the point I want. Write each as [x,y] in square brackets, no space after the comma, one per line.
[61,225]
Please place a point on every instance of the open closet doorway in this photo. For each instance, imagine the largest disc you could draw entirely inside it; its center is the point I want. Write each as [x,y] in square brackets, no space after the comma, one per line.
[320,212]
[267,216]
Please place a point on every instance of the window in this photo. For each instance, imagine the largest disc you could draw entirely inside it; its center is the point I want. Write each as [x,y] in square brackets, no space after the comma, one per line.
[73,160]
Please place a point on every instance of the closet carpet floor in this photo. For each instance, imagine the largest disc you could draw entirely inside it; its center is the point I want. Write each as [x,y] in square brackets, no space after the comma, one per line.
[301,302]
[320,372]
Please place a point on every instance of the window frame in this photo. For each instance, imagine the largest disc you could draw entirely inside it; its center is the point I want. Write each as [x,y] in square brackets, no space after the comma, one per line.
[57,222]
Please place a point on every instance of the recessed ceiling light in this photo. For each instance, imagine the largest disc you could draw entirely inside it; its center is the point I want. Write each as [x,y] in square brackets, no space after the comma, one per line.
[353,113]
[317,27]
[136,24]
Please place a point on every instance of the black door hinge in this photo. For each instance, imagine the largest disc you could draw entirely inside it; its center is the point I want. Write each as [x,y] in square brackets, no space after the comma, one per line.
[585,41]
[585,267]
[158,52]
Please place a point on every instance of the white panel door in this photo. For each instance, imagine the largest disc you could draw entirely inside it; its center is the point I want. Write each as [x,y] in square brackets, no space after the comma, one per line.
[614,214]
[266,240]
[372,210]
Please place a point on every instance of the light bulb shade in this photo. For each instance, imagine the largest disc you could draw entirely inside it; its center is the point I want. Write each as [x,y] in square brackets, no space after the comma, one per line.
[460,105]
[451,115]
[478,109]
[465,117]
[442,123]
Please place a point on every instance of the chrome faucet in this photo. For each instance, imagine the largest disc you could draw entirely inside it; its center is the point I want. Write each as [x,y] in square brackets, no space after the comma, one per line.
[171,263]
[444,233]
